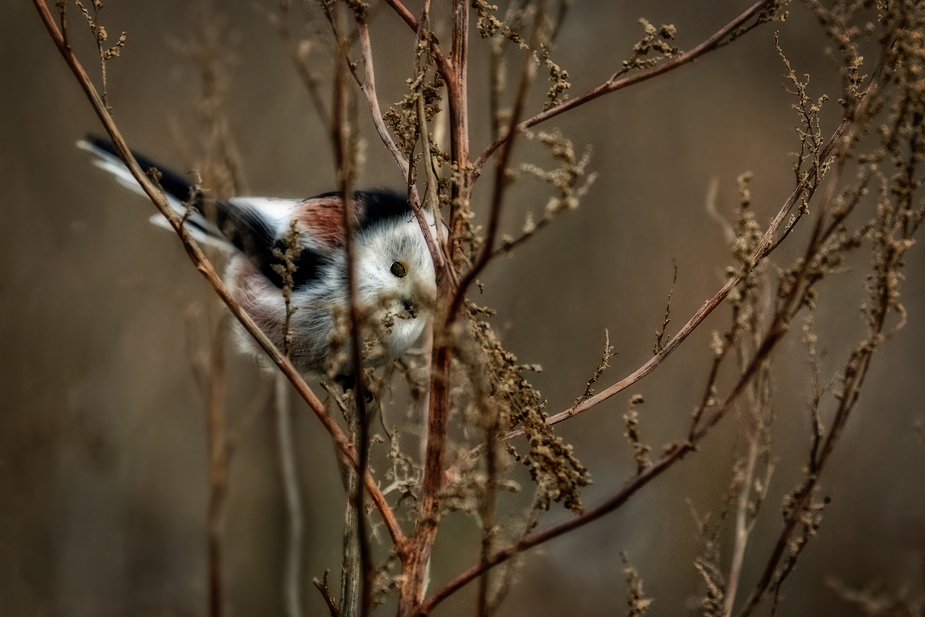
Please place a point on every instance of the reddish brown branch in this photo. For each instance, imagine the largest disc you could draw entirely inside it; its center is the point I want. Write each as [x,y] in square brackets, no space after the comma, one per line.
[497,196]
[415,560]
[218,474]
[457,87]
[775,332]
[628,490]
[204,266]
[762,250]
[443,64]
[369,89]
[612,84]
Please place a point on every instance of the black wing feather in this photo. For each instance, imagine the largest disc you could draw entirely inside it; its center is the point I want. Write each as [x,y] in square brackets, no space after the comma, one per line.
[242,226]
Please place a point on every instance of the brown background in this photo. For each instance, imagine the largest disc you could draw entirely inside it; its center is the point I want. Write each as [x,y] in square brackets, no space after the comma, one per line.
[102,431]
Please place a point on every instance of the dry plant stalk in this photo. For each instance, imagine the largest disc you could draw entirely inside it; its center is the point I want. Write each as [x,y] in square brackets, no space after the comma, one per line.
[476,393]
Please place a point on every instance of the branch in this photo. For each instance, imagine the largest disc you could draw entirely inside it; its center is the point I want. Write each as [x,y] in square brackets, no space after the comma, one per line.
[612,85]
[292,580]
[762,250]
[208,271]
[343,136]
[218,473]
[673,455]
[776,330]
[369,89]
[446,68]
[494,219]
[457,89]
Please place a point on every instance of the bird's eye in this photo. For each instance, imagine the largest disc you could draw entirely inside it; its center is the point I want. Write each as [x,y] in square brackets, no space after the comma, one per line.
[399,269]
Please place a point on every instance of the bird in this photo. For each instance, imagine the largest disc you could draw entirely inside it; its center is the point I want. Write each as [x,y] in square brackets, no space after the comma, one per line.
[394,272]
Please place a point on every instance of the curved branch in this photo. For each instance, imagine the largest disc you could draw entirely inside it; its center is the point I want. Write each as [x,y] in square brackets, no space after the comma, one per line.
[443,64]
[775,332]
[205,268]
[763,249]
[672,456]
[369,89]
[494,219]
[612,85]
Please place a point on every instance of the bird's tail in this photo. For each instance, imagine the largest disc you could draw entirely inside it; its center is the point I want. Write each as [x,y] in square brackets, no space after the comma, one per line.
[181,194]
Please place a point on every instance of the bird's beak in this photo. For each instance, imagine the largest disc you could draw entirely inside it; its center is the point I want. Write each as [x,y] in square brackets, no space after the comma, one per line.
[410,310]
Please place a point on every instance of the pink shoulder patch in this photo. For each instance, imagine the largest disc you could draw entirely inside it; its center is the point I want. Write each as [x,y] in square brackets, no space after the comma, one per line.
[323,220]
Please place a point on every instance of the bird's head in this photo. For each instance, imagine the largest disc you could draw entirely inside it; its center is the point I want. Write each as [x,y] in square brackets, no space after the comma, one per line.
[396,279]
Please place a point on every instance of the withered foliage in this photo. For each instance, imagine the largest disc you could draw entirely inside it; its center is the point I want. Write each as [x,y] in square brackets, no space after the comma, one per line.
[654,47]
[637,604]
[476,413]
[402,117]
[502,392]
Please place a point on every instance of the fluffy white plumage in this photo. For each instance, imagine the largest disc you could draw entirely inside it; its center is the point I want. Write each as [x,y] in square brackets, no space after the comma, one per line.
[394,271]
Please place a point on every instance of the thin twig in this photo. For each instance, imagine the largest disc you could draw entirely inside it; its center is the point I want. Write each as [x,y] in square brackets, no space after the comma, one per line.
[497,196]
[218,473]
[325,591]
[612,85]
[292,578]
[632,486]
[740,538]
[343,136]
[487,512]
[369,89]
[204,266]
[300,61]
[660,335]
[444,65]
[350,568]
[775,331]
[708,307]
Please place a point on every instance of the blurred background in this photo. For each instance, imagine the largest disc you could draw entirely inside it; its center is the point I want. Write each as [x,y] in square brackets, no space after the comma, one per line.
[103,442]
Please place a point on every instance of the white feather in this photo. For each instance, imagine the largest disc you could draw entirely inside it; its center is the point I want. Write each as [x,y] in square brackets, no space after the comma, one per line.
[114,165]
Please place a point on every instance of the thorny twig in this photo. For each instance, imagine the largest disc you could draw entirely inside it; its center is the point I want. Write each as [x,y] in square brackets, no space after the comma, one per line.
[325,591]
[660,335]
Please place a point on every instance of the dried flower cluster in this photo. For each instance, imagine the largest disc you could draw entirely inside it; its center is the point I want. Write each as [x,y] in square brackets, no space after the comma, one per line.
[858,188]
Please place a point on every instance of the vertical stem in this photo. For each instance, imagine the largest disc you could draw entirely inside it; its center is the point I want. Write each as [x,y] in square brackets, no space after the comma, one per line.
[416,557]
[292,579]
[343,133]
[741,523]
[218,475]
[350,568]
[458,94]
[488,511]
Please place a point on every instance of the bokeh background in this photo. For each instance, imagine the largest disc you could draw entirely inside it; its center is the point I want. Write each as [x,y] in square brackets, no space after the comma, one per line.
[103,460]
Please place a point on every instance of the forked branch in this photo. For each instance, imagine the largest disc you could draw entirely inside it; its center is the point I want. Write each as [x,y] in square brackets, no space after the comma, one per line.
[613,84]
[205,268]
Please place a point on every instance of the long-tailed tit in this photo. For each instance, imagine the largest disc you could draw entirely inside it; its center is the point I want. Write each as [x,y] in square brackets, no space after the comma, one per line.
[395,279]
